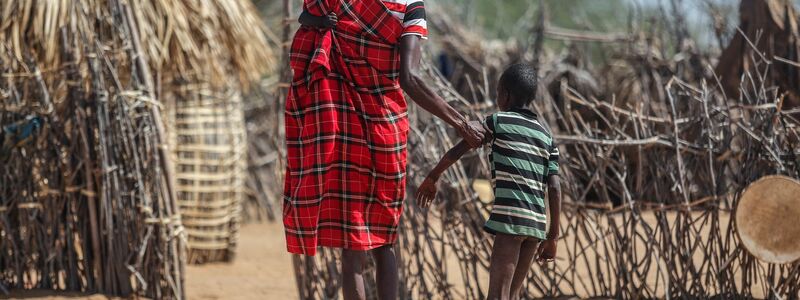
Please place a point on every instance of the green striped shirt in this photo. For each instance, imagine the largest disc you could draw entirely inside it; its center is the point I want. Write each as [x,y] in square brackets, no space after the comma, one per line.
[523,155]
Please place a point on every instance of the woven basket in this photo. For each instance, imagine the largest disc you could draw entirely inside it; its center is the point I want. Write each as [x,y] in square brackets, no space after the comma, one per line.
[208,139]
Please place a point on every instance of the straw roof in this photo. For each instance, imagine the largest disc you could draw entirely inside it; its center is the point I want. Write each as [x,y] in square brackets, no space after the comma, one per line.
[206,40]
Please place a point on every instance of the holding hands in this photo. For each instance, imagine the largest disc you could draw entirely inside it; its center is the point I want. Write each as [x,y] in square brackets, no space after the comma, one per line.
[473,133]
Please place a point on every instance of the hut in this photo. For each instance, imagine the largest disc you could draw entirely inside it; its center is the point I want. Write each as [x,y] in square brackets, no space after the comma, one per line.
[90,188]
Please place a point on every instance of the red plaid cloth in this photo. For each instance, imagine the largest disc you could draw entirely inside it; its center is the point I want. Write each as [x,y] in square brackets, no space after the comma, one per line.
[346,131]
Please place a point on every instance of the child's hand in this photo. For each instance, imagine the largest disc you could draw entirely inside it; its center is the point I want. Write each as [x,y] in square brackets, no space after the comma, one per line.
[426,192]
[330,20]
[546,251]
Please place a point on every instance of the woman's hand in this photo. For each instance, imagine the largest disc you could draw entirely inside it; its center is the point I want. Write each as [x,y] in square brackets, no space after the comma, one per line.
[426,192]
[473,133]
[324,22]
[330,21]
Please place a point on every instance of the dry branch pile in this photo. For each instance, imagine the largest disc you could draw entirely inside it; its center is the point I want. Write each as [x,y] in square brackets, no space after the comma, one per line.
[655,155]
[87,188]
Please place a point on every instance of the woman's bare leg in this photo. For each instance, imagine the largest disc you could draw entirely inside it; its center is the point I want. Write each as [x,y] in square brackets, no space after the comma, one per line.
[526,255]
[505,254]
[386,272]
[353,263]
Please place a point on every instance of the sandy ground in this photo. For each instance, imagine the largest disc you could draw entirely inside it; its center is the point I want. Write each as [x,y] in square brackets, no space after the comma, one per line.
[262,270]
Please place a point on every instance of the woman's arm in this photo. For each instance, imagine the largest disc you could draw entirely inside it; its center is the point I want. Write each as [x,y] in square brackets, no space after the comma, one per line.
[427,191]
[423,95]
[329,21]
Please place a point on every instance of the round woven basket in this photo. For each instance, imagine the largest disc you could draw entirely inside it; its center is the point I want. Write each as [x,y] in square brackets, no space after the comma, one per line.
[208,139]
[766,219]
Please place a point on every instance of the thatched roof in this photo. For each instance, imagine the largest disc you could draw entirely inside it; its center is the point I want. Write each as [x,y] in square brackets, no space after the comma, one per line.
[206,40]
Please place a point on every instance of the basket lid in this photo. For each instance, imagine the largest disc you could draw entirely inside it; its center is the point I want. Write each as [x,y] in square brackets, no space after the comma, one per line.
[767,219]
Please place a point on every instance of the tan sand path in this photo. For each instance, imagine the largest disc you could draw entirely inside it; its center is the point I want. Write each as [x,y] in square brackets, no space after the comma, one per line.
[262,271]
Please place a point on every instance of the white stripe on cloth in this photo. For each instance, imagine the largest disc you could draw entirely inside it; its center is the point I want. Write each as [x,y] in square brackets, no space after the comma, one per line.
[536,216]
[522,147]
[516,116]
[520,180]
[416,22]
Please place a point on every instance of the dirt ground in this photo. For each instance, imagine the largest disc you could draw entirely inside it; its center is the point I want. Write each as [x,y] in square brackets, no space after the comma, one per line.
[262,270]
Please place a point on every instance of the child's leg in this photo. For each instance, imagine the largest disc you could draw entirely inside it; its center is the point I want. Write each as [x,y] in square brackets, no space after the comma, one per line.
[526,255]
[505,254]
[353,263]
[386,269]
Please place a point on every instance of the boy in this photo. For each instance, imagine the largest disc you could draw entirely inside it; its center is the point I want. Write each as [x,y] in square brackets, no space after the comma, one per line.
[524,159]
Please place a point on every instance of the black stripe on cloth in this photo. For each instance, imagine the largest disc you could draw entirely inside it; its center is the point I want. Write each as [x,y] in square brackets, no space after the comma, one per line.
[349,139]
[519,154]
[529,123]
[520,187]
[489,123]
[342,106]
[491,160]
[513,170]
[489,230]
[349,166]
[337,195]
[519,203]
[521,138]
[517,221]
[372,90]
[415,11]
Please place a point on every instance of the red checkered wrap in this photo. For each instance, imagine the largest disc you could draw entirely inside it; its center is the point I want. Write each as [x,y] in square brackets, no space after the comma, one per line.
[346,131]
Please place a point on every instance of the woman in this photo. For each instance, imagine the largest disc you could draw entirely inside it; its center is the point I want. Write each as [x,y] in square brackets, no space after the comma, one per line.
[347,129]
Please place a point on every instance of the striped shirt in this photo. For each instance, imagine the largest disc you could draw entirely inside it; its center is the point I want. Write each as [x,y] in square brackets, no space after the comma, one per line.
[412,14]
[523,155]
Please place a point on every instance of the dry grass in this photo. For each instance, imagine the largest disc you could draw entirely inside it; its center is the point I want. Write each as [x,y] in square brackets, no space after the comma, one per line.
[209,40]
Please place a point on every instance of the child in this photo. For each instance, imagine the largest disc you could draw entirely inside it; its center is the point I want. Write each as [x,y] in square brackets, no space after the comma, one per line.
[524,159]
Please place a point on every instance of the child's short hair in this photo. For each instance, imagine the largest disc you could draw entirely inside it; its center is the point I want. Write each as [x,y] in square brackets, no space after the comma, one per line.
[521,82]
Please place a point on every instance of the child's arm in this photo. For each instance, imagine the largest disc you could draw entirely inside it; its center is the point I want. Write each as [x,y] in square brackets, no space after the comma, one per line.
[554,201]
[547,250]
[427,191]
[329,21]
